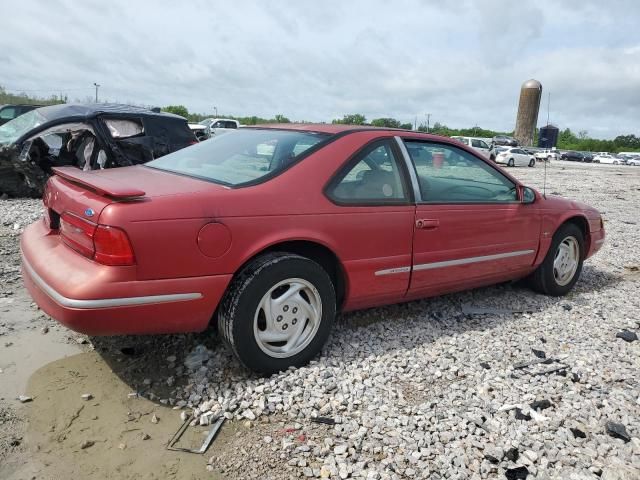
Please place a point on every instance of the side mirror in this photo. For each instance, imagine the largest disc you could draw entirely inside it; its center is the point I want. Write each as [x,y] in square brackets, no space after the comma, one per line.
[528,195]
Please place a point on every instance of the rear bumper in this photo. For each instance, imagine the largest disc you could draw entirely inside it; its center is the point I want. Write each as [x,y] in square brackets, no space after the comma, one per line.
[102,300]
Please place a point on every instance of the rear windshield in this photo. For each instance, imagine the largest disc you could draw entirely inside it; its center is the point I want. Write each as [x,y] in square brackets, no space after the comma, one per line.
[240,156]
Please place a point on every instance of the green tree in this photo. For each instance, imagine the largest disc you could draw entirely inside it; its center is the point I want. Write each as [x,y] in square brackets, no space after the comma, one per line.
[23,98]
[282,119]
[351,119]
[386,122]
[177,110]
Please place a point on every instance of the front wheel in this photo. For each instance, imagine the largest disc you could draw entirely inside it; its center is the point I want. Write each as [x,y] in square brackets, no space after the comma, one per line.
[278,312]
[511,163]
[561,268]
[532,162]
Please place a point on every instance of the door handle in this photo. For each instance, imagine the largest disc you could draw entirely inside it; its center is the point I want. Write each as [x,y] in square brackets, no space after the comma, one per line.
[427,224]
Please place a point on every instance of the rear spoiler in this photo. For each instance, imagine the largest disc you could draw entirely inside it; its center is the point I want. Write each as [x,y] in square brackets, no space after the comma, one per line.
[98,183]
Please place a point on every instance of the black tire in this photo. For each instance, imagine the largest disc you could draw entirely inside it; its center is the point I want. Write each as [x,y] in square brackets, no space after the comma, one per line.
[511,163]
[238,309]
[543,279]
[532,162]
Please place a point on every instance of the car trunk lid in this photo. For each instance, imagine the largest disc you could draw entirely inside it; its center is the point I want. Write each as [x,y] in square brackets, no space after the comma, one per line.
[86,193]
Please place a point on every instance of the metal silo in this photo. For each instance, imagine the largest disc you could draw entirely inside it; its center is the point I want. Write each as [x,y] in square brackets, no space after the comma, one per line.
[548,136]
[528,107]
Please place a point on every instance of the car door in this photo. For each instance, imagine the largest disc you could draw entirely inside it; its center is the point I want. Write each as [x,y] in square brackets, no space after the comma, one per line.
[470,227]
[374,214]
[481,147]
[516,154]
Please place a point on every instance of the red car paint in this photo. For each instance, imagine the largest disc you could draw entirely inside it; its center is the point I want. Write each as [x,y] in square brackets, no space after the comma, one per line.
[189,237]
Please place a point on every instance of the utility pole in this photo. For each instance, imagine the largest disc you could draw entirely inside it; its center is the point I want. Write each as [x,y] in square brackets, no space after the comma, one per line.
[428,121]
[97,87]
[215,109]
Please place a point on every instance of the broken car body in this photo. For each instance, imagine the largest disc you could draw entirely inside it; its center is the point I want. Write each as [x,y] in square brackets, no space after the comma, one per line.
[89,137]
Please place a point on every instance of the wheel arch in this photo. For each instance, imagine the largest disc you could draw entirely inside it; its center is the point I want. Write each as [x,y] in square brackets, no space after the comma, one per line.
[314,250]
[582,223]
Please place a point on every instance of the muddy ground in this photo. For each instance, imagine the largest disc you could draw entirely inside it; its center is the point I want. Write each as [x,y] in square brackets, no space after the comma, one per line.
[123,430]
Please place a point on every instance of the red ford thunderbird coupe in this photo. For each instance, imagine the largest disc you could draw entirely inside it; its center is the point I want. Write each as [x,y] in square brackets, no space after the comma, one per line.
[263,233]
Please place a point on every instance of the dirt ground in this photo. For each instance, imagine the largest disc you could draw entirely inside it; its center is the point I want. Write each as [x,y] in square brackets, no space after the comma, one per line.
[112,436]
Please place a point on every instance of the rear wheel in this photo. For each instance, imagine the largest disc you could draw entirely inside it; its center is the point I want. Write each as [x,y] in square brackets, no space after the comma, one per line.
[532,162]
[511,163]
[278,312]
[561,268]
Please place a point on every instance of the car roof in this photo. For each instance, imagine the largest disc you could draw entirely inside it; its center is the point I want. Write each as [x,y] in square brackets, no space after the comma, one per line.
[331,128]
[54,112]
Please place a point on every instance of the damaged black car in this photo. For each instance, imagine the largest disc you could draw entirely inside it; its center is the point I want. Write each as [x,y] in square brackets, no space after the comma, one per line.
[89,137]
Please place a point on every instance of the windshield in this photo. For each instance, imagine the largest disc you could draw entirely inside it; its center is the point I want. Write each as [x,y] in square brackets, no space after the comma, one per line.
[11,131]
[240,156]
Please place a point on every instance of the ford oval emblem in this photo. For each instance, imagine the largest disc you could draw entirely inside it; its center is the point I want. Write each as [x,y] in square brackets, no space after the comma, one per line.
[89,212]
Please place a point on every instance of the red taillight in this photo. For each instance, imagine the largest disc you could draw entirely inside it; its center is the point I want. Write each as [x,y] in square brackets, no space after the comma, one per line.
[78,233]
[112,246]
[104,244]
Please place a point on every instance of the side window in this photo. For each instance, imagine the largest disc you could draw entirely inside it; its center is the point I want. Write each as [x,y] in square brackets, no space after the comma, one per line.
[447,174]
[8,113]
[373,176]
[121,128]
[477,144]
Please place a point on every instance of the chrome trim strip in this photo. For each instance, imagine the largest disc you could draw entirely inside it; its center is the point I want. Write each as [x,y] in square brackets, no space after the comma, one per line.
[391,271]
[411,169]
[453,263]
[465,261]
[104,302]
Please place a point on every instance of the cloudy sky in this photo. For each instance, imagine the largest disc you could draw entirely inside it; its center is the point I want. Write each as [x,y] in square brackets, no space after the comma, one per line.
[462,61]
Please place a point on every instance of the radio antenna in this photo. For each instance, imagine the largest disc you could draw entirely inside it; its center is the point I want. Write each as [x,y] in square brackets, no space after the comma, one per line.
[548,159]
[544,182]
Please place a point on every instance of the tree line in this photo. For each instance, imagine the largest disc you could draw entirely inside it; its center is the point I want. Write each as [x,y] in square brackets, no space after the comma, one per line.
[567,139]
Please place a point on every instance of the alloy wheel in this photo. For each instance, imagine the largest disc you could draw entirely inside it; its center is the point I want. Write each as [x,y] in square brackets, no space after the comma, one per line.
[566,260]
[287,318]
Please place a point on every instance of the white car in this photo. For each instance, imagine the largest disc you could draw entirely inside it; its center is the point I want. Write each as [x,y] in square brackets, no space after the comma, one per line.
[219,125]
[514,156]
[478,145]
[606,158]
[548,154]
[634,161]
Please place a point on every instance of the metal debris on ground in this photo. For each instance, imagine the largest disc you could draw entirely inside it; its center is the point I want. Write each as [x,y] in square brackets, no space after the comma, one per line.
[324,420]
[469,309]
[539,353]
[541,366]
[215,427]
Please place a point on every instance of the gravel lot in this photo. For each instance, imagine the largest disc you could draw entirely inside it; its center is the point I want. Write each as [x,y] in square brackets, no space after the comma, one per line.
[537,388]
